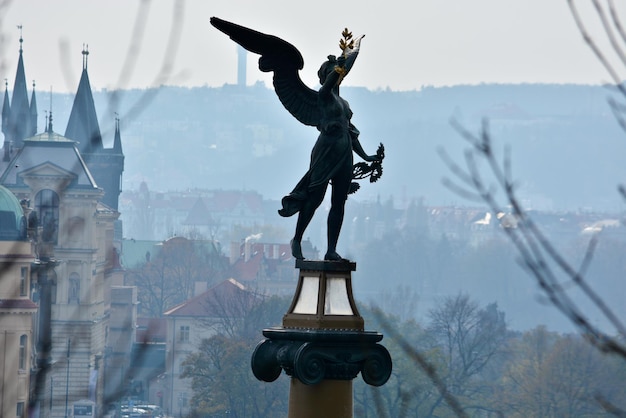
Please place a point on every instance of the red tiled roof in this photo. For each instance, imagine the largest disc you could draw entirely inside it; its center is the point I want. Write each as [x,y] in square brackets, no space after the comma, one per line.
[248,270]
[223,300]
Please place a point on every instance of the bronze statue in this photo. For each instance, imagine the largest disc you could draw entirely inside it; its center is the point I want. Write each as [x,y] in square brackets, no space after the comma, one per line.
[331,158]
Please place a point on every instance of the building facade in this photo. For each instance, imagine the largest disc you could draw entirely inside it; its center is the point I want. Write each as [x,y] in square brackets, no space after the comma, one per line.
[17,311]
[71,184]
[212,312]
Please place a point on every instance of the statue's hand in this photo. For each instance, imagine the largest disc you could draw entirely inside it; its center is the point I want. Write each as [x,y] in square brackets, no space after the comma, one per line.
[379,156]
[341,61]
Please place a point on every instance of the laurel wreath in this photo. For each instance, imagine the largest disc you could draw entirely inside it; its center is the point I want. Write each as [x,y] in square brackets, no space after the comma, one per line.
[373,170]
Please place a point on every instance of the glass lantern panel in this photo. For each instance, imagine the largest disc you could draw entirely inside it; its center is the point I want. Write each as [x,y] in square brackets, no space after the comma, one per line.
[307,300]
[337,302]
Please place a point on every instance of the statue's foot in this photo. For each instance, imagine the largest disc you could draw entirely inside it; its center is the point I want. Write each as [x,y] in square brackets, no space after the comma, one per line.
[296,249]
[333,256]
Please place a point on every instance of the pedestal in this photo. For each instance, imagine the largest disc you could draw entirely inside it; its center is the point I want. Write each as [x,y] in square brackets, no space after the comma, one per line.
[329,399]
[322,344]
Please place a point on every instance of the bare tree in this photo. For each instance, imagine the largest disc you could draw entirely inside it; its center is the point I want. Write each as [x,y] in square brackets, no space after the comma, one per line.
[487,177]
[228,305]
[469,338]
[169,277]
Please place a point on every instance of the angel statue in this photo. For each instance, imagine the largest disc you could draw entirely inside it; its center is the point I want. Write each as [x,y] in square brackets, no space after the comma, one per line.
[331,158]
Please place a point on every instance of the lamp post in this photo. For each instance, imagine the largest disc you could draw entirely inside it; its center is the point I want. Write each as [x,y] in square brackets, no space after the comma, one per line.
[322,344]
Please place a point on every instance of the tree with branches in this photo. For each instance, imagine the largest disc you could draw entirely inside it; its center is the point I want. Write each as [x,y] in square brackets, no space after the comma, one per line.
[169,277]
[487,176]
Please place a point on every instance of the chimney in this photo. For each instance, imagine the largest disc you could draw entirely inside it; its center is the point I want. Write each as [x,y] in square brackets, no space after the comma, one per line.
[247,250]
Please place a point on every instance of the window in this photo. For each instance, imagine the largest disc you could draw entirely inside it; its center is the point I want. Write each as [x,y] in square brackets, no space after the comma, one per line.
[183,335]
[47,207]
[74,289]
[19,411]
[24,282]
[22,354]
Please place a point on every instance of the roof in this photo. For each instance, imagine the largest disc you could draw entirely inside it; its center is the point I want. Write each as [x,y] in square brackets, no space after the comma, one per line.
[223,300]
[19,116]
[82,125]
[263,260]
[248,270]
[49,158]
[199,214]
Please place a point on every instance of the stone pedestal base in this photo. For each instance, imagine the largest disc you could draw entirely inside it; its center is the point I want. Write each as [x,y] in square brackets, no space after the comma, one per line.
[328,399]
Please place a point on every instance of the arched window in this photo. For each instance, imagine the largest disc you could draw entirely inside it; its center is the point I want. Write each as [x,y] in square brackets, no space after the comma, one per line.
[47,207]
[23,347]
[74,289]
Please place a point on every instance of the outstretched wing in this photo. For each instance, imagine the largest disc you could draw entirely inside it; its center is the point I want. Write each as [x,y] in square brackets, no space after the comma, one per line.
[285,61]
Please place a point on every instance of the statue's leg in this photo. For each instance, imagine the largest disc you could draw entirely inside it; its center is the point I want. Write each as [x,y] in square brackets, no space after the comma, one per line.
[341,185]
[305,216]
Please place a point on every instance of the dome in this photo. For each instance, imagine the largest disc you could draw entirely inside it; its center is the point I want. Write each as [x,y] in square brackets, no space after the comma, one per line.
[12,221]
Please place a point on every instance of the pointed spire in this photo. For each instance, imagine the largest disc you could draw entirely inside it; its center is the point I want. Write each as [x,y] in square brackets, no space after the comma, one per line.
[6,112]
[33,113]
[6,109]
[19,119]
[83,124]
[117,142]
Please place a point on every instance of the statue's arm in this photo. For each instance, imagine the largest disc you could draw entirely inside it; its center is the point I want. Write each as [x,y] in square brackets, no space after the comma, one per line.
[358,148]
[331,81]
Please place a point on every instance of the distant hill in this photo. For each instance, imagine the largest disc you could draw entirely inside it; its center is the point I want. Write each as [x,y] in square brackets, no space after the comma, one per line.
[567,147]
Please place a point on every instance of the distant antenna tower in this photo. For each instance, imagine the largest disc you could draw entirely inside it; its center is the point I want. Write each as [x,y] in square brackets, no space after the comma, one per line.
[242,56]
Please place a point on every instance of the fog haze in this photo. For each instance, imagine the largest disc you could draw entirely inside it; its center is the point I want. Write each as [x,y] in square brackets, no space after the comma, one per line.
[566,148]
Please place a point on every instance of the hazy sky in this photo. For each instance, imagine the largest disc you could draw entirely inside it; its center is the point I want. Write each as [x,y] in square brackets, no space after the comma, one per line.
[409,44]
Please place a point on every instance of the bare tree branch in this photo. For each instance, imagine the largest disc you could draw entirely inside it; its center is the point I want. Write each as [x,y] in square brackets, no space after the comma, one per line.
[424,364]
[537,254]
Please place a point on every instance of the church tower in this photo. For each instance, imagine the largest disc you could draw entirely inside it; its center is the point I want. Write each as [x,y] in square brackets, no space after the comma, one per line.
[19,117]
[73,184]
[105,164]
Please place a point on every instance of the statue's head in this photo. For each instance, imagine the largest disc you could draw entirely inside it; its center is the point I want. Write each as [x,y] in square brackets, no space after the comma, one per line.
[326,68]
